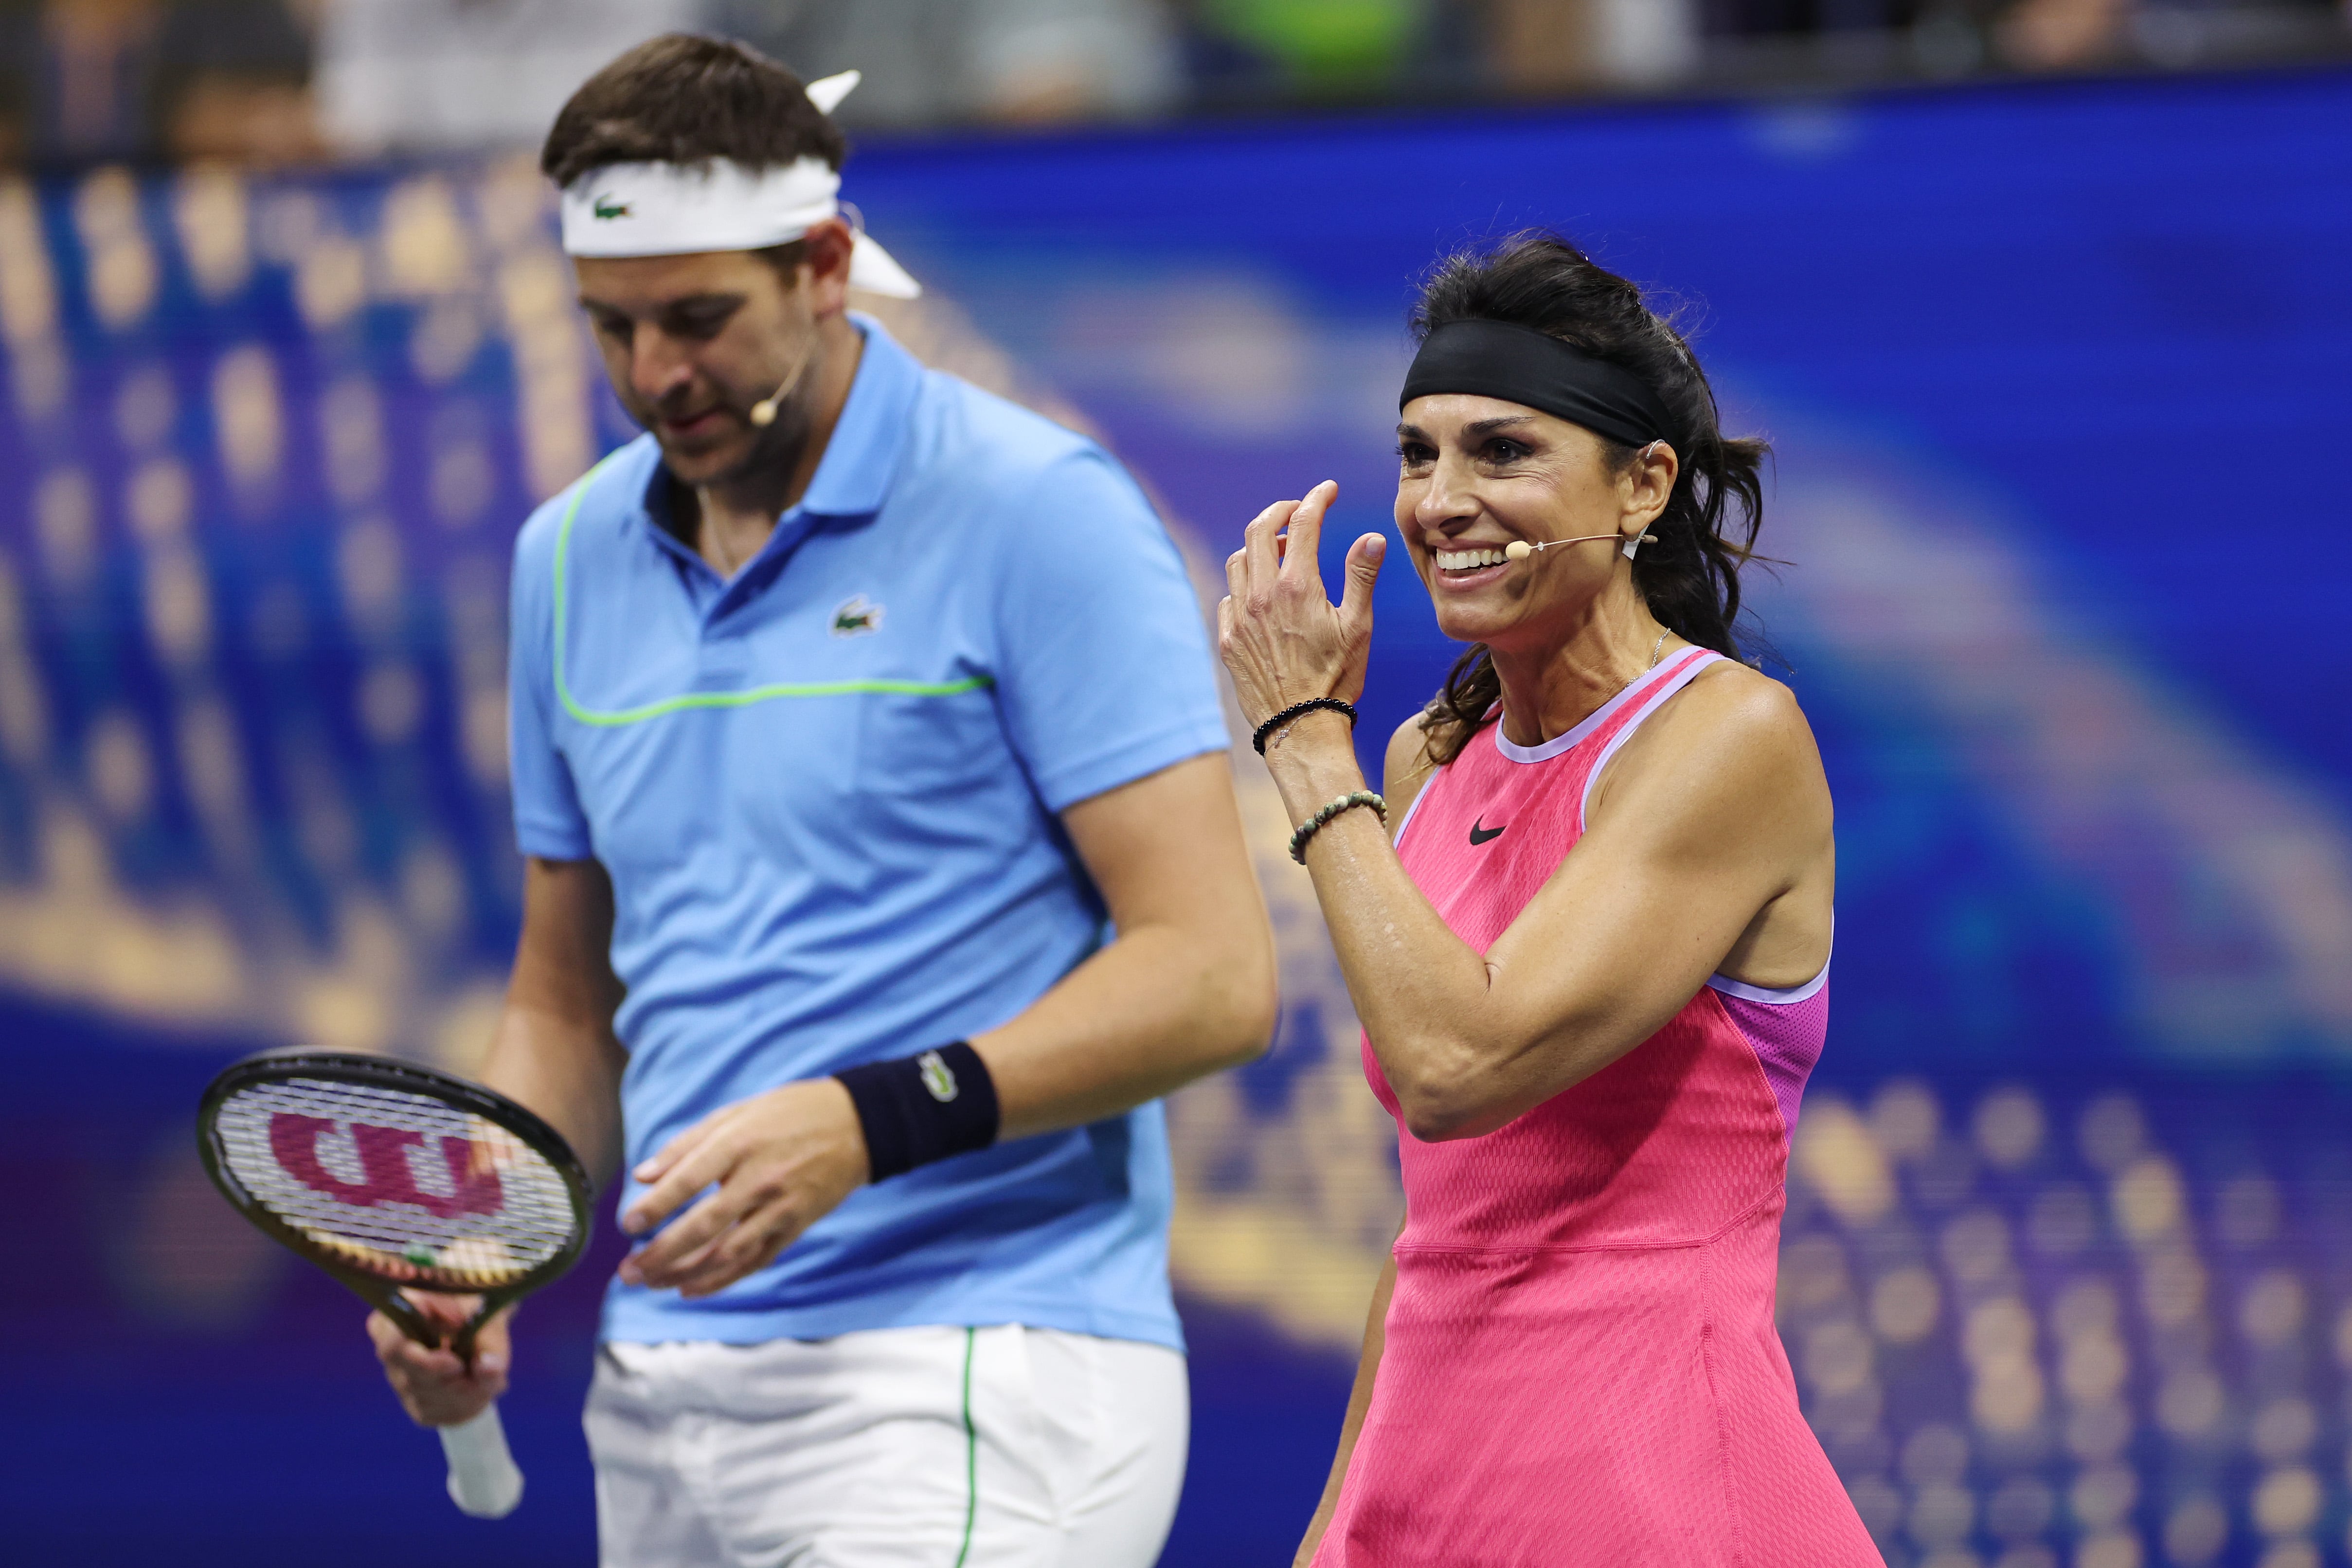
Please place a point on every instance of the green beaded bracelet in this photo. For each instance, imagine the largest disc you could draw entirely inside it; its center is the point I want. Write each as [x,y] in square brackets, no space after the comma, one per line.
[1314,824]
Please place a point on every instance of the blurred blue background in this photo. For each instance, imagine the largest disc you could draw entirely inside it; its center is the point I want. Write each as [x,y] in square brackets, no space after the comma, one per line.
[2053,369]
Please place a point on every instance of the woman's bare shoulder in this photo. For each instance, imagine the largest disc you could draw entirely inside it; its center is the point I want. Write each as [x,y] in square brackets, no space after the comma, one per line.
[1730,696]
[1734,725]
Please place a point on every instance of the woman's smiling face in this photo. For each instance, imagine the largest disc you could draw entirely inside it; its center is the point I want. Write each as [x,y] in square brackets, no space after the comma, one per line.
[1476,474]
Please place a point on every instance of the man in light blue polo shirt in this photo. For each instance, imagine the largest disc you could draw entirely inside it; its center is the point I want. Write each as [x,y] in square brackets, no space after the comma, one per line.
[884,870]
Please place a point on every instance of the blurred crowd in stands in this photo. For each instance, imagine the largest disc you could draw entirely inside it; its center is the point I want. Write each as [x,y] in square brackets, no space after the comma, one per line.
[298,80]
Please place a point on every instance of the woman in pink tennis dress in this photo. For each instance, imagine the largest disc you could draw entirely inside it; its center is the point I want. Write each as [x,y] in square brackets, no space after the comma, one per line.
[1590,951]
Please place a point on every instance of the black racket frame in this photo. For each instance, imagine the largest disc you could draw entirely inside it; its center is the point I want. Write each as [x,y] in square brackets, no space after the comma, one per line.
[383,1072]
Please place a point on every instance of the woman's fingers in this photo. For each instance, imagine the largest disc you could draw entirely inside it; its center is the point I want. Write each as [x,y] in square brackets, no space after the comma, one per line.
[1364,557]
[1278,632]
[1305,555]
[1260,562]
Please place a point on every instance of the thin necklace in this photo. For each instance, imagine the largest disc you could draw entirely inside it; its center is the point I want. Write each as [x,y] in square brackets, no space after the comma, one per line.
[718,546]
[1656,648]
[726,570]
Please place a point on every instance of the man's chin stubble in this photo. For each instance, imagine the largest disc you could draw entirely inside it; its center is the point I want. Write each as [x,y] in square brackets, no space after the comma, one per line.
[770,450]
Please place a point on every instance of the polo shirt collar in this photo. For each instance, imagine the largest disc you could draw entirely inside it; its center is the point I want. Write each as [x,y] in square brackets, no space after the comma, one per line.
[854,475]
[852,479]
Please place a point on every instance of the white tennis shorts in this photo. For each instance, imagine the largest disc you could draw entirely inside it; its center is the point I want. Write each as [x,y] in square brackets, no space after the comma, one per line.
[920,1447]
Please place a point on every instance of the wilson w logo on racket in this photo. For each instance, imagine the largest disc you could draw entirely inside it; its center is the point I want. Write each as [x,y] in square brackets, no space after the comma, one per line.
[395,1179]
[385,1174]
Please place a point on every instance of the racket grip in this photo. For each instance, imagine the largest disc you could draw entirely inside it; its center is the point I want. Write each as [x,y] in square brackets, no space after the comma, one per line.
[483,1480]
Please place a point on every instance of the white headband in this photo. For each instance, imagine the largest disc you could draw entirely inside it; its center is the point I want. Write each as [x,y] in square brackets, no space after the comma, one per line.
[676,209]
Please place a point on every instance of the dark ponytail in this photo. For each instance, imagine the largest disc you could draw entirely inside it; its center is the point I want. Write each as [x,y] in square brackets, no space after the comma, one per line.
[1690,577]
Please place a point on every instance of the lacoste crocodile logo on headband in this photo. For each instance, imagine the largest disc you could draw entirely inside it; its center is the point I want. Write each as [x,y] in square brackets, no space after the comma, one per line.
[855,617]
[651,207]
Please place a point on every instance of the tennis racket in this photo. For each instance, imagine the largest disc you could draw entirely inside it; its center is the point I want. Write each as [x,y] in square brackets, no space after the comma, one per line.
[396,1178]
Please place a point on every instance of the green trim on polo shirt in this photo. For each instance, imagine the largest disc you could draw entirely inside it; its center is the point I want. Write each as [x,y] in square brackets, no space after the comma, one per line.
[690,700]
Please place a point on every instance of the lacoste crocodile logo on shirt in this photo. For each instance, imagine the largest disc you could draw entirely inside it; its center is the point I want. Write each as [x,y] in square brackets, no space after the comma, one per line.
[1479,833]
[857,617]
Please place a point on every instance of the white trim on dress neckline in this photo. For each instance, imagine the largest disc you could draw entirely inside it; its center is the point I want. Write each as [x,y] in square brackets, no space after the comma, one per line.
[1657,692]
[1418,797]
[1544,751]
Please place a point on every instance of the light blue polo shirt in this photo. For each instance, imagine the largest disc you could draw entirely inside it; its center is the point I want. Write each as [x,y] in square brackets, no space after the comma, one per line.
[827,794]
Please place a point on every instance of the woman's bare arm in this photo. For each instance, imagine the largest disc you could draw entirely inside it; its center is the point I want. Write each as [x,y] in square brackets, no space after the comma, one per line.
[1718,812]
[1709,835]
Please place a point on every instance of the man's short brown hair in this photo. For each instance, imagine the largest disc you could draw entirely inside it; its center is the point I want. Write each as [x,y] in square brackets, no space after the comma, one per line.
[684,99]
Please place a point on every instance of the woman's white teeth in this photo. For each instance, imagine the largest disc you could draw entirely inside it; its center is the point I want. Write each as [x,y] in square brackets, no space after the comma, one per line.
[1466,559]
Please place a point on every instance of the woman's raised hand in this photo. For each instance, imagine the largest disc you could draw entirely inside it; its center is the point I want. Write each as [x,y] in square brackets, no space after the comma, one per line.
[1280,634]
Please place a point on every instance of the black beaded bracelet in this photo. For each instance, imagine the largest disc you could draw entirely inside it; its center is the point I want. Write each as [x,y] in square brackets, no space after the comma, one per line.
[922,1108]
[1314,824]
[1299,710]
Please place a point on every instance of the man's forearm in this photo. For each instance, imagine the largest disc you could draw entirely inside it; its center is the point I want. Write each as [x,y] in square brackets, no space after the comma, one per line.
[567,1071]
[1155,1010]
[1188,987]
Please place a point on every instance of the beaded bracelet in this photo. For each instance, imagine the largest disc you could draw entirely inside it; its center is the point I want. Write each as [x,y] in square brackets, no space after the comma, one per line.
[1299,710]
[1314,824]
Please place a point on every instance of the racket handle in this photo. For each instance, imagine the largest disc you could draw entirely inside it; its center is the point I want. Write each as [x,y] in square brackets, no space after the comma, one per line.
[483,1480]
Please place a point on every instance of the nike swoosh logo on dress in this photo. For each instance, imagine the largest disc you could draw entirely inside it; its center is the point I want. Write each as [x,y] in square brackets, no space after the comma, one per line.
[1479,834]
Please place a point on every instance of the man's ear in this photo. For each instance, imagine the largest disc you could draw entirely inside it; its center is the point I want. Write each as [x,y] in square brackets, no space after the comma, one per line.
[824,265]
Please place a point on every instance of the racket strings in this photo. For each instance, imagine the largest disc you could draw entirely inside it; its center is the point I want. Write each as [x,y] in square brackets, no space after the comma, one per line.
[401,1185]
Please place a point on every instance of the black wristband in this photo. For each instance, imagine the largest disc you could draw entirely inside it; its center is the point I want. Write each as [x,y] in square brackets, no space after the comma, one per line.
[923,1108]
[1300,710]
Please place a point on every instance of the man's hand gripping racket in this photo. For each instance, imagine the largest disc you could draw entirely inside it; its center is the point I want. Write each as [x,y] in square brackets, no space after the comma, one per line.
[410,1186]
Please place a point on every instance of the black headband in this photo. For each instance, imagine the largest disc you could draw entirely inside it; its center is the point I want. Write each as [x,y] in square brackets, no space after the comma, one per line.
[1519,365]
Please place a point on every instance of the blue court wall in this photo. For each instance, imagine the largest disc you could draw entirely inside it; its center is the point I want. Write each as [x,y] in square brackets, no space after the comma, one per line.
[2054,374]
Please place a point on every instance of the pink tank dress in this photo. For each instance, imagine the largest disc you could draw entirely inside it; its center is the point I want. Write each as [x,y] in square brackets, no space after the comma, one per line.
[1581,1364]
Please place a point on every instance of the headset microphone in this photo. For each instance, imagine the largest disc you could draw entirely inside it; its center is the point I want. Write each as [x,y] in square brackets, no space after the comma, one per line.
[763,412]
[1519,549]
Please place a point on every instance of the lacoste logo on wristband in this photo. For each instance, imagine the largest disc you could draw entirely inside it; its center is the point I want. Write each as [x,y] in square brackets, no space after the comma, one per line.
[856,616]
[938,1076]
[1479,833]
